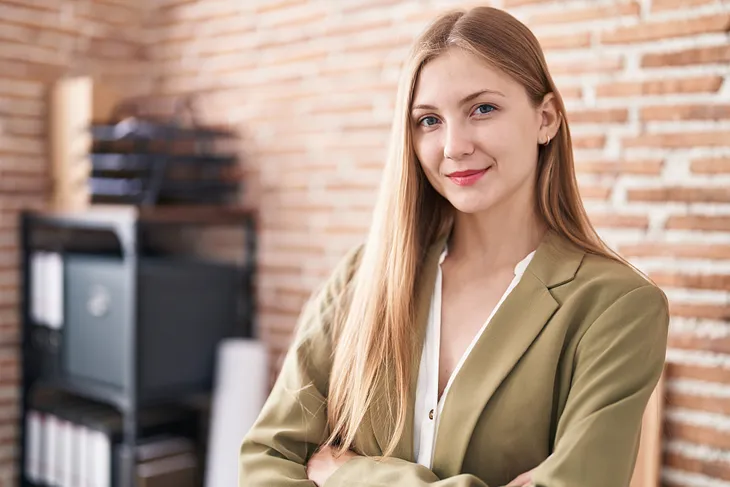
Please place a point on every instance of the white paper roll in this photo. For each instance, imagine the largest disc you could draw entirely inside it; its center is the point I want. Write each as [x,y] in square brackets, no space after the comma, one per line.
[240,392]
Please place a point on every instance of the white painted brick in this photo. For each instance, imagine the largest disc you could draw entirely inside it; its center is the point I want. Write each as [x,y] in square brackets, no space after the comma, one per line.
[698,358]
[716,421]
[696,296]
[677,477]
[699,388]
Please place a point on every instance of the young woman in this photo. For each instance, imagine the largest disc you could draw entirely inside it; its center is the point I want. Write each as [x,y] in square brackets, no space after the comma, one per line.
[483,335]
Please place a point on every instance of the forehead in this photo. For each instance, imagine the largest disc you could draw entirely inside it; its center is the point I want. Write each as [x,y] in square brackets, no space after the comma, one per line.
[456,73]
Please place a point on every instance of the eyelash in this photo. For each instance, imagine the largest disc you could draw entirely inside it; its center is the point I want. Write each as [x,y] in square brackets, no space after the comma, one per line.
[493,109]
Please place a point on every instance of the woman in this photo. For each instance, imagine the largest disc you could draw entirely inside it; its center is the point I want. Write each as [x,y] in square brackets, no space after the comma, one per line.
[483,334]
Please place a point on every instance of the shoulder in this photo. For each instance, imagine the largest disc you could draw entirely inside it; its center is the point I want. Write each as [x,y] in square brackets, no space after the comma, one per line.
[331,295]
[608,297]
[611,279]
[346,267]
[589,285]
[571,273]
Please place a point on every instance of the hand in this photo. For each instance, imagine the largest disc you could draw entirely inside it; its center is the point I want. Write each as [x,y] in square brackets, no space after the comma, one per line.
[522,480]
[324,463]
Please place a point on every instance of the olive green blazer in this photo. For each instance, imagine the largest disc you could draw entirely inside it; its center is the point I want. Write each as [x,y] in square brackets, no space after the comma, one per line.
[558,382]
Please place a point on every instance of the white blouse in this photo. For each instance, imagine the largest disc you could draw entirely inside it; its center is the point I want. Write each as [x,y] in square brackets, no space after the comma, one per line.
[428,407]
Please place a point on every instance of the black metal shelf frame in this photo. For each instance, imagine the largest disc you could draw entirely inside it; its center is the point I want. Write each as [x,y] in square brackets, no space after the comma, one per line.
[127,229]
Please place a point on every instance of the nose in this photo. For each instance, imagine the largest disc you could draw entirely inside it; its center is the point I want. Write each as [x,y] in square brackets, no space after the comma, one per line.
[458,143]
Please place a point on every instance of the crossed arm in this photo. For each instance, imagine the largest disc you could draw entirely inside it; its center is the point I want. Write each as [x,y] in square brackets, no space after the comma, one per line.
[617,365]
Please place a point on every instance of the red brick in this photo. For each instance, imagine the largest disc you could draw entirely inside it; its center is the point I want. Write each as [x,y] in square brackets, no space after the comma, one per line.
[688,341]
[362,25]
[595,192]
[708,468]
[663,5]
[585,14]
[612,115]
[23,184]
[380,42]
[520,3]
[306,17]
[21,88]
[681,194]
[43,6]
[677,250]
[16,69]
[613,220]
[699,435]
[571,92]
[616,168]
[710,166]
[589,141]
[688,57]
[706,311]
[685,112]
[701,84]
[22,126]
[680,140]
[655,31]
[571,41]
[277,5]
[352,7]
[593,64]
[714,374]
[699,222]
[711,404]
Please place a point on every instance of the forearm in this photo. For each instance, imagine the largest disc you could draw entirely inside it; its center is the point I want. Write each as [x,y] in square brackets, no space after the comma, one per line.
[261,466]
[394,472]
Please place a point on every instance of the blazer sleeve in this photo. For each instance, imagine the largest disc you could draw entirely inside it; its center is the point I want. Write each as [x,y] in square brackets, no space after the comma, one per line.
[293,421]
[617,365]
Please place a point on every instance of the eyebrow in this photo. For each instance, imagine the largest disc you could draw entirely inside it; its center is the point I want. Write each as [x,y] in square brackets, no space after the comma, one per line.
[464,100]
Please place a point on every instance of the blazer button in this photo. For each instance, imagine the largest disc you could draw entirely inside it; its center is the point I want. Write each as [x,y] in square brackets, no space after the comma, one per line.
[430,414]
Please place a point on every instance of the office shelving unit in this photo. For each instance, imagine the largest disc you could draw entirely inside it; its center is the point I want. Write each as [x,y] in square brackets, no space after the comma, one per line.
[43,346]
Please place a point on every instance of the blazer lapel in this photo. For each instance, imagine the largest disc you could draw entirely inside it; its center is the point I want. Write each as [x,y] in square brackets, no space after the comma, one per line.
[514,327]
[382,430]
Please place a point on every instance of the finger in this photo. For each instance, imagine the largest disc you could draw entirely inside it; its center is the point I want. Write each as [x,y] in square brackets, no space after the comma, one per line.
[521,480]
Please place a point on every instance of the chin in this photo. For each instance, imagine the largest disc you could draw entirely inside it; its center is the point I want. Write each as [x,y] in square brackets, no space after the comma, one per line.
[470,205]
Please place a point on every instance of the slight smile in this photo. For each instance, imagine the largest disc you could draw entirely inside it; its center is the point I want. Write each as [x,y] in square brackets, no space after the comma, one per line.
[468,177]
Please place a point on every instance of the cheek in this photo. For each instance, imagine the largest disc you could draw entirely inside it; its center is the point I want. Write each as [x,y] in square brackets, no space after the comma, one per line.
[429,155]
[511,144]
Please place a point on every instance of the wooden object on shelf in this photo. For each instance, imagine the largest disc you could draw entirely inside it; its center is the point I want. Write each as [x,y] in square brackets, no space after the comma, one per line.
[74,103]
[647,472]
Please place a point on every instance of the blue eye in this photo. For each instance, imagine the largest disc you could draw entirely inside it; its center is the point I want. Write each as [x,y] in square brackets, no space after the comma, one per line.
[428,121]
[484,109]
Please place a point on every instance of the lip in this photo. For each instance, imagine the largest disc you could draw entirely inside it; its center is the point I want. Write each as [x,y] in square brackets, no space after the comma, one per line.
[468,177]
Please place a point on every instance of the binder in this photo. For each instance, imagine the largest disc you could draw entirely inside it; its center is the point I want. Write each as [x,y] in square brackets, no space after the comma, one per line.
[33,445]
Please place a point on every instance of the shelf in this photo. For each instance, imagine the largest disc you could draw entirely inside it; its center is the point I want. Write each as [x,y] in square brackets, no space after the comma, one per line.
[209,214]
[144,130]
[27,483]
[88,389]
[103,216]
[144,162]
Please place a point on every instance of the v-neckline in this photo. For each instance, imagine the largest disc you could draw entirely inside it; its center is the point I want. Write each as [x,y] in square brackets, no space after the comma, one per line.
[435,322]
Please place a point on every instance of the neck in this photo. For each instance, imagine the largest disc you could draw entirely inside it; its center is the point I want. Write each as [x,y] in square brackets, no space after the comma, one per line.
[500,237]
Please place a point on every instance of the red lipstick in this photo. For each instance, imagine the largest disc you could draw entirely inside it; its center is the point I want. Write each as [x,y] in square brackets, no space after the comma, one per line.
[468,177]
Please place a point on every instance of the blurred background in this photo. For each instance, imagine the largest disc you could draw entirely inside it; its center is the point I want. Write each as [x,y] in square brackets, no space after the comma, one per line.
[161,144]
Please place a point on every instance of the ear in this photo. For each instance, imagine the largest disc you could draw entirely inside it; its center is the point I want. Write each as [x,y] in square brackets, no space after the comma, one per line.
[550,119]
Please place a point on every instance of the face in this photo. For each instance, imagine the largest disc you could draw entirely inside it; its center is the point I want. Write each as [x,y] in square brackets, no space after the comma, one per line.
[476,132]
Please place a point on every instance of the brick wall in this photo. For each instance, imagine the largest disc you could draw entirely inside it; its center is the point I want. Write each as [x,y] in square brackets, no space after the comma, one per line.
[41,40]
[312,85]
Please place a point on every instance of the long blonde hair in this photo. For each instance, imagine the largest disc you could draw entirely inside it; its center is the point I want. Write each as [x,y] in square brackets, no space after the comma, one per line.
[374,336]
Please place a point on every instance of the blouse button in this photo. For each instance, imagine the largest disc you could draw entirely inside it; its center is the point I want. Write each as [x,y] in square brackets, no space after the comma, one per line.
[430,414]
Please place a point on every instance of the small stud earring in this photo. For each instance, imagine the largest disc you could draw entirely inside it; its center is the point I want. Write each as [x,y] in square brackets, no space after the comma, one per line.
[548,140]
